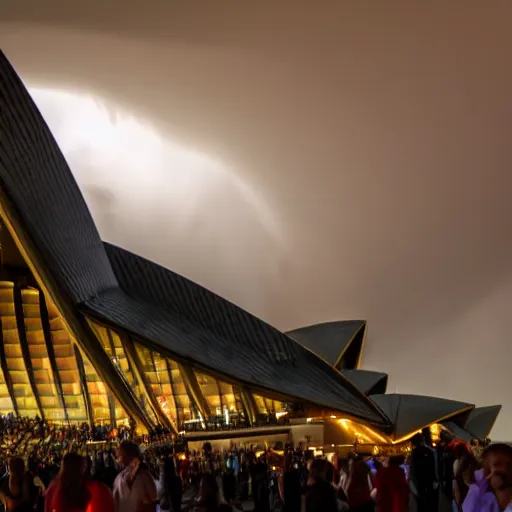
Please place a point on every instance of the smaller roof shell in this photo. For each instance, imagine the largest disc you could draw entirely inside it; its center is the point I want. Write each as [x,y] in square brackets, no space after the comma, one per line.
[369,382]
[339,343]
[411,413]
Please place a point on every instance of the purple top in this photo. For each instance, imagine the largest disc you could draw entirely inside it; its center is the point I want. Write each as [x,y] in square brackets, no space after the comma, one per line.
[480,498]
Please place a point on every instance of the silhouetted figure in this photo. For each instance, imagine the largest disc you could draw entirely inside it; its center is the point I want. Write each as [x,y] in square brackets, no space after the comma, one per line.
[209,499]
[229,485]
[321,494]
[171,490]
[260,483]
[422,475]
[291,488]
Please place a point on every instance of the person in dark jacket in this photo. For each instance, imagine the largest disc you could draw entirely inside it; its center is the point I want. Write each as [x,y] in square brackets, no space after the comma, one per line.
[321,494]
[229,486]
[171,489]
[290,486]
[423,475]
[260,490]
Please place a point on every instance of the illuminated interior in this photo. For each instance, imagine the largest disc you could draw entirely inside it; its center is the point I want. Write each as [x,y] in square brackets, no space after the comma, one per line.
[41,367]
[185,410]
[155,370]
[268,406]
[22,393]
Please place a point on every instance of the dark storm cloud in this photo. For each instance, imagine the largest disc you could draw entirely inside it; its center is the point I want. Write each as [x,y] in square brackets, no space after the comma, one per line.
[378,140]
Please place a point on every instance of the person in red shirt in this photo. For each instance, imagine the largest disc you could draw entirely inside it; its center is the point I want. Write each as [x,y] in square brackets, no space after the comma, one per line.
[73,491]
[392,489]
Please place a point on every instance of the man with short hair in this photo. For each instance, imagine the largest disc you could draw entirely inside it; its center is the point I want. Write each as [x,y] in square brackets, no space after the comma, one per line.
[492,489]
[134,487]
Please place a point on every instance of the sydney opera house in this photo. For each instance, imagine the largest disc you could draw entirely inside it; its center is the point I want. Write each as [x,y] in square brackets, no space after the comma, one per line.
[93,333]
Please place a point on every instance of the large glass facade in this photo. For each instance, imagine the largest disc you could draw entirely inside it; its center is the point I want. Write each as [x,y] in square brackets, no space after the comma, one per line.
[22,392]
[44,372]
[185,410]
[66,387]
[164,390]
[226,407]
[67,367]
[6,402]
[267,406]
[105,407]
[113,346]
[49,398]
[156,373]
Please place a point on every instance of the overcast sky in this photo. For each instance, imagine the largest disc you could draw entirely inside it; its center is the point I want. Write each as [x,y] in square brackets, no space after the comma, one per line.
[311,161]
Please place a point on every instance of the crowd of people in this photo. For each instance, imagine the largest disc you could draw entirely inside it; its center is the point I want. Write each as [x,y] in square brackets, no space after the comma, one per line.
[446,476]
[79,469]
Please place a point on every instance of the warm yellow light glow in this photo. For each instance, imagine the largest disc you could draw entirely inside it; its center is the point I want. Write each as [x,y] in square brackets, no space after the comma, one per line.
[435,432]
[404,438]
[373,433]
[363,433]
[281,414]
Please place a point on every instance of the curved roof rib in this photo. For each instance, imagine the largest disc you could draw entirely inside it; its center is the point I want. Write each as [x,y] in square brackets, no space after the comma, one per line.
[410,413]
[339,343]
[158,306]
[370,383]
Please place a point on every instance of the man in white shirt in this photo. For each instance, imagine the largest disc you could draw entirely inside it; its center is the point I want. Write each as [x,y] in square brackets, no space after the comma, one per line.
[134,487]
